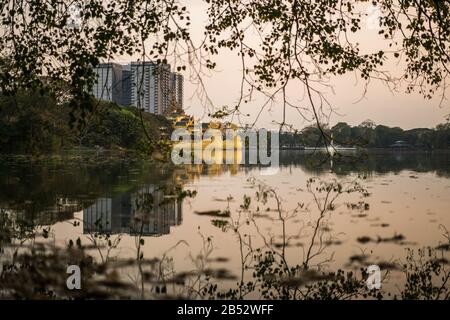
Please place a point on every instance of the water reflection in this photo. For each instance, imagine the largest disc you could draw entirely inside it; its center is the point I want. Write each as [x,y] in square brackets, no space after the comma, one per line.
[107,189]
[147,212]
[111,196]
[372,162]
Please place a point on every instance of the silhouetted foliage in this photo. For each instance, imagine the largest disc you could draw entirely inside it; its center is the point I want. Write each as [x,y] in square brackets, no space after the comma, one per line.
[37,122]
[367,134]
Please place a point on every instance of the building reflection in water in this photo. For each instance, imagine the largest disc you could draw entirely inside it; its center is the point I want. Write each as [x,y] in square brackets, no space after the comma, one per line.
[149,212]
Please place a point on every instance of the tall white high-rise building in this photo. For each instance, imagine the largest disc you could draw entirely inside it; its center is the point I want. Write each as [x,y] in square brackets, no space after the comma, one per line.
[108,85]
[150,86]
[142,85]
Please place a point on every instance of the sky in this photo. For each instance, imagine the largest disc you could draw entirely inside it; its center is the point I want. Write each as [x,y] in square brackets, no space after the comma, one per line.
[349,102]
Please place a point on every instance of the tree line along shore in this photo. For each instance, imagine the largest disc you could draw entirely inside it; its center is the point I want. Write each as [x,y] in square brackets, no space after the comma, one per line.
[36,122]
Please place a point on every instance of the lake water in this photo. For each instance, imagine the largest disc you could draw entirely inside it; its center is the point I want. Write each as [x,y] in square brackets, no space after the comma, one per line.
[403,203]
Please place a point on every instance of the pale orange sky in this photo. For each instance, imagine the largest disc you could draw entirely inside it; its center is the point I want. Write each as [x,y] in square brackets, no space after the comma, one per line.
[379,104]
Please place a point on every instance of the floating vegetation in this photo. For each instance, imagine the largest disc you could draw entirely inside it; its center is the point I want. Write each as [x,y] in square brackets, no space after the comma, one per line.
[219,223]
[228,199]
[333,242]
[396,238]
[180,278]
[386,265]
[358,258]
[213,213]
[262,216]
[382,225]
[441,261]
[220,274]
[279,245]
[218,259]
[360,206]
[364,239]
[363,259]
[360,215]
[444,246]
[305,277]
[326,228]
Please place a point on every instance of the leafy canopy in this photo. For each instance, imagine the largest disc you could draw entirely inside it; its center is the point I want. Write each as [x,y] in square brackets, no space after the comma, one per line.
[296,41]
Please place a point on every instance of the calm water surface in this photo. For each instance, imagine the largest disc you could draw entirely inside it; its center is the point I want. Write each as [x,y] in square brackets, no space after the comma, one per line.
[408,207]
